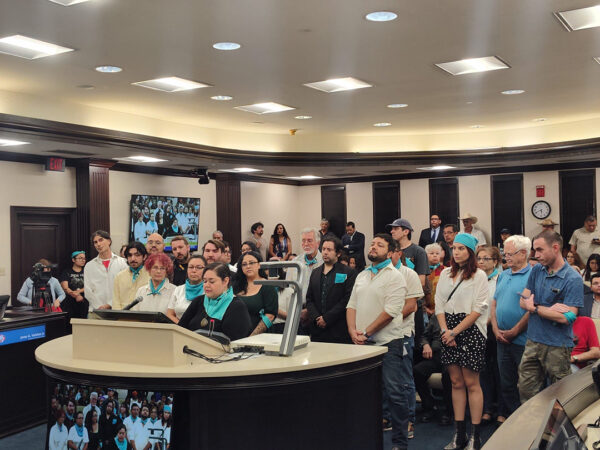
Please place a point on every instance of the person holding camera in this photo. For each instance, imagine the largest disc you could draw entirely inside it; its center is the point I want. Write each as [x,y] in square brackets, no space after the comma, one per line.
[39,283]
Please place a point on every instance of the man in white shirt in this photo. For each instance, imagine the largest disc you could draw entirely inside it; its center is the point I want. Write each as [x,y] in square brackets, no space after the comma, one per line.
[131,422]
[141,432]
[586,240]
[139,229]
[93,404]
[468,221]
[374,315]
[99,273]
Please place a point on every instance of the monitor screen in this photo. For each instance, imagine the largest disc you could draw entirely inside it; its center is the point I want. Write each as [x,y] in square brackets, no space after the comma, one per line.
[167,216]
[558,431]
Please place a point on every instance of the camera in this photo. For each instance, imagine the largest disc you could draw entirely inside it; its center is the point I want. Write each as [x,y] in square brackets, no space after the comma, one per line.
[40,276]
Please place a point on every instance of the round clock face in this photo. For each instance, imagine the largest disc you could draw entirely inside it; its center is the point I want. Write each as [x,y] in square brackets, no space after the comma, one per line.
[540,209]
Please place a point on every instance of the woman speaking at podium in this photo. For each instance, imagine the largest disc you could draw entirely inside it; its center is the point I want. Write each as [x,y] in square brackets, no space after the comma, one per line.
[218,310]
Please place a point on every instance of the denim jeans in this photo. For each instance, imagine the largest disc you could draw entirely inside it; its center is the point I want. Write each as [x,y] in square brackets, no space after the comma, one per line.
[398,388]
[509,358]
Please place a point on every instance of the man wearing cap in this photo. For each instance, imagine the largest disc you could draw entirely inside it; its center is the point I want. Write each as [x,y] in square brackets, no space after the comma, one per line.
[586,240]
[401,231]
[432,234]
[468,221]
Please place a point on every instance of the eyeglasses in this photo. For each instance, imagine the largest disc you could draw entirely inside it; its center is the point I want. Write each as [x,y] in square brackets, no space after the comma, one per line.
[81,257]
[510,255]
[249,264]
[486,258]
[195,267]
[158,269]
[154,242]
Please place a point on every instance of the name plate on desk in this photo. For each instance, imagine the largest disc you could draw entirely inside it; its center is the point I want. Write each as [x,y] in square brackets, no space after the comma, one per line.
[22,335]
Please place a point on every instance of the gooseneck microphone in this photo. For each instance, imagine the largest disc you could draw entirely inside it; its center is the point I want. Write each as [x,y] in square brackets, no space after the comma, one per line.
[133,303]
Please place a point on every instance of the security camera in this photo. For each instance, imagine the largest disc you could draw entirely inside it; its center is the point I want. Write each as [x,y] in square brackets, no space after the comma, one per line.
[202,175]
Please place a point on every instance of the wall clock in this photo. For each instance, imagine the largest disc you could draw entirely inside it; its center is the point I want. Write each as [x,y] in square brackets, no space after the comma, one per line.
[541,209]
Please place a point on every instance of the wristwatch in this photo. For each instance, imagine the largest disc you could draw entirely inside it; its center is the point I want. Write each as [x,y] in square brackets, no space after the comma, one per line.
[365,334]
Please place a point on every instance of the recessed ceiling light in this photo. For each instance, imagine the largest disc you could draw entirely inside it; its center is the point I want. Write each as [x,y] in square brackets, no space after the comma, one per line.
[338,85]
[437,167]
[381,16]
[108,69]
[303,117]
[476,126]
[597,59]
[141,159]
[68,2]
[222,98]
[382,124]
[241,170]
[473,65]
[171,84]
[540,119]
[397,105]
[264,108]
[226,45]
[513,92]
[580,19]
[469,103]
[305,177]
[29,48]
[9,143]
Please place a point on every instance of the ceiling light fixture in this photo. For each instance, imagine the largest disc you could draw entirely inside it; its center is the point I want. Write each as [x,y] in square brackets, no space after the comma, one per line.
[397,105]
[579,19]
[382,124]
[381,16]
[513,92]
[108,69]
[29,48]
[437,167]
[226,45]
[241,170]
[303,117]
[338,85]
[9,143]
[473,65]
[476,126]
[597,59]
[540,119]
[141,159]
[171,84]
[222,98]
[305,177]
[68,2]
[265,108]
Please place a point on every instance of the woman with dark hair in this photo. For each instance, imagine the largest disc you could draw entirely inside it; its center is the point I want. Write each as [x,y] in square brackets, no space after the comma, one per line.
[574,260]
[356,263]
[280,246]
[591,267]
[157,294]
[193,287]
[93,428]
[120,441]
[160,222]
[59,434]
[261,301]
[462,306]
[123,411]
[217,309]
[249,246]
[78,434]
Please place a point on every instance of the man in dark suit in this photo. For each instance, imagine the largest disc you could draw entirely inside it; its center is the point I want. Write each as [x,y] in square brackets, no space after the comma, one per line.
[327,295]
[354,243]
[433,233]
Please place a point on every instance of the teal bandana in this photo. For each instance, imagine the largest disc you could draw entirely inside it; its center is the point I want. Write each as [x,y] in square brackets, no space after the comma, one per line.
[379,266]
[216,307]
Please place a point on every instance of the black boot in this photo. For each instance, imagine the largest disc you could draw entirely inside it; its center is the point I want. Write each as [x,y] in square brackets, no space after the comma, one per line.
[460,436]
[474,440]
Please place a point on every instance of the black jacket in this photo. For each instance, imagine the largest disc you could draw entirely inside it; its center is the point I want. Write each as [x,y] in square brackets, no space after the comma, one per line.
[356,245]
[425,238]
[432,335]
[335,304]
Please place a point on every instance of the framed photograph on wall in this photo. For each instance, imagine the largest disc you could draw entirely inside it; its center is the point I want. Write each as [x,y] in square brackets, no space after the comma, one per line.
[167,216]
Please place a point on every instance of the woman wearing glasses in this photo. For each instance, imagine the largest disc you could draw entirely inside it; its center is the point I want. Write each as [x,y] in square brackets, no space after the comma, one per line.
[261,301]
[193,287]
[157,294]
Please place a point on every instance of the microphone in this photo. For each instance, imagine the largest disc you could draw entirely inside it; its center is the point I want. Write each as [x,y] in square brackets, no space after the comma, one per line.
[133,303]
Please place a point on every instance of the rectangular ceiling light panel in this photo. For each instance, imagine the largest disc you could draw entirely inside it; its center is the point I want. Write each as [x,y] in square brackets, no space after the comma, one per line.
[68,2]
[141,159]
[580,19]
[9,143]
[473,65]
[338,85]
[171,84]
[265,108]
[29,48]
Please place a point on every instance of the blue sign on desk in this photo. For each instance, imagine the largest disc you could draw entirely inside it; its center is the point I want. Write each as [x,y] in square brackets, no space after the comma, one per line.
[22,335]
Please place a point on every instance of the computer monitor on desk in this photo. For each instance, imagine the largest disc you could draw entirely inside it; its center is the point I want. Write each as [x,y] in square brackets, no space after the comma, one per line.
[133,316]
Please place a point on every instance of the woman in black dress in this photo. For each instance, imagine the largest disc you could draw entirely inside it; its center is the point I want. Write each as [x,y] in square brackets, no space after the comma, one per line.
[218,310]
[120,440]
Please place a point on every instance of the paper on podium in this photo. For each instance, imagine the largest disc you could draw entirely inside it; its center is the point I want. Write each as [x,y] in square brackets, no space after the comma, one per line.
[270,343]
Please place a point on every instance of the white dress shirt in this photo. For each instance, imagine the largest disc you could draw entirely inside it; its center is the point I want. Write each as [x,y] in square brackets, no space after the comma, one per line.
[98,282]
[154,303]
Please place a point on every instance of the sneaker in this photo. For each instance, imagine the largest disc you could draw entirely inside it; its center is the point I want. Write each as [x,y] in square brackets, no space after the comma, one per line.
[411,430]
[387,425]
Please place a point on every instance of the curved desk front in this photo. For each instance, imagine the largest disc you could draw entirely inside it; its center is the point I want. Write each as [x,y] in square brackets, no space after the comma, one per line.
[324,396]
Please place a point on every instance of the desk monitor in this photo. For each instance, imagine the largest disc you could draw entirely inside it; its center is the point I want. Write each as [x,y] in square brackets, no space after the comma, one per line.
[133,316]
[557,431]
[3,303]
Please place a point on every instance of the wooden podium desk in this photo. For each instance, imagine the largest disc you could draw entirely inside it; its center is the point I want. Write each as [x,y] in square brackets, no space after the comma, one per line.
[324,396]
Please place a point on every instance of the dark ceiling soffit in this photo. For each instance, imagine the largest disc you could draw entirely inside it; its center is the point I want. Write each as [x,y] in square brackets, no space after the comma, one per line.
[51,130]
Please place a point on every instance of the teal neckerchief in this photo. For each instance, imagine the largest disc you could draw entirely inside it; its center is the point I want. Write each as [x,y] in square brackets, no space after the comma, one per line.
[493,274]
[144,421]
[410,264]
[70,417]
[133,419]
[434,267]
[216,307]
[79,430]
[59,427]
[121,445]
[135,272]
[310,261]
[153,420]
[193,290]
[398,264]
[379,266]
[157,290]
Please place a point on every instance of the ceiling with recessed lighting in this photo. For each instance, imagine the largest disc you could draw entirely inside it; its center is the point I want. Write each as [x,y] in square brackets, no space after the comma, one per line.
[407,104]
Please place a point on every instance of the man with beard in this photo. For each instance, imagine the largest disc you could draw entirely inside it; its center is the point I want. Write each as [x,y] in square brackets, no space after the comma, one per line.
[70,414]
[141,433]
[128,281]
[256,232]
[109,424]
[155,244]
[181,255]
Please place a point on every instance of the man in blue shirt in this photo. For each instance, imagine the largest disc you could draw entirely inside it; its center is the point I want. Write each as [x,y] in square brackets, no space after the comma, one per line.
[553,295]
[509,320]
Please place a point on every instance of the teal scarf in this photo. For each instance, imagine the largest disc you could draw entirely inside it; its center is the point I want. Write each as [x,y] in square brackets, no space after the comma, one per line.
[398,264]
[121,445]
[59,427]
[379,266]
[216,307]
[432,268]
[157,290]
[193,290]
[135,272]
[493,274]
[79,430]
[309,261]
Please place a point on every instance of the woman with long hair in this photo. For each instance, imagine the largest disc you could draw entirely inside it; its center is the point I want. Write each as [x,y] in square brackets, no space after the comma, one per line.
[261,301]
[591,267]
[280,246]
[93,428]
[574,260]
[461,306]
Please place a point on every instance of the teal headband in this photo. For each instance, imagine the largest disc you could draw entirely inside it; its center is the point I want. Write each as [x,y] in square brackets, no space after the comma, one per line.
[76,252]
[467,240]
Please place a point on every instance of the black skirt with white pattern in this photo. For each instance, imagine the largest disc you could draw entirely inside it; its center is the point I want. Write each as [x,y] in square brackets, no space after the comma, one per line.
[470,345]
